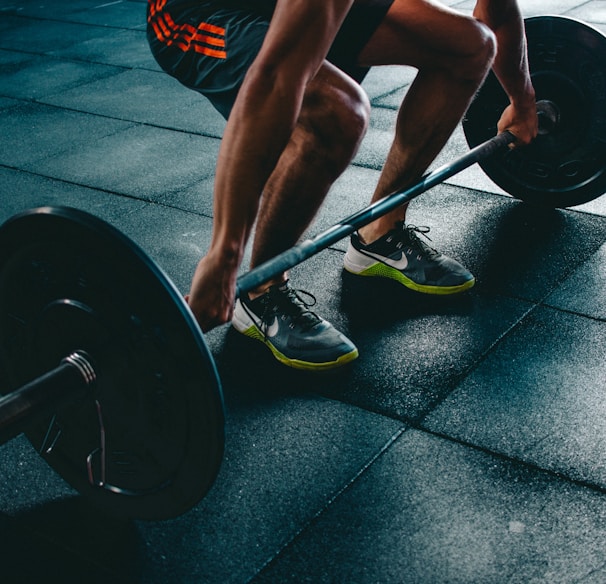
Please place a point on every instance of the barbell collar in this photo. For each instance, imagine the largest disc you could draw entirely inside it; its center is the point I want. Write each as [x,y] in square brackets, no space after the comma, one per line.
[549,116]
[45,395]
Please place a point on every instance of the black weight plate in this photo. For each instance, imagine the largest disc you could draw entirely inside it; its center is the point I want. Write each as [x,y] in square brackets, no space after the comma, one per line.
[566,167]
[148,442]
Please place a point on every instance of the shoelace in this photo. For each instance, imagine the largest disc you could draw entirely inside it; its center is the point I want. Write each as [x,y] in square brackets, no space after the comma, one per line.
[290,302]
[415,240]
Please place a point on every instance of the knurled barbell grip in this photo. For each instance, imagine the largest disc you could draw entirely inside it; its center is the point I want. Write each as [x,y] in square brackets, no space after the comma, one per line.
[45,395]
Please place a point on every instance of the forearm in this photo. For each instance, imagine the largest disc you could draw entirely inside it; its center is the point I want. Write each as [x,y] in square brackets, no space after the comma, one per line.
[511,61]
[253,141]
[258,129]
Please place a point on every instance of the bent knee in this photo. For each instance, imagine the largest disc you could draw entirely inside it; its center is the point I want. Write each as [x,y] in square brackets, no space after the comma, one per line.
[480,51]
[337,111]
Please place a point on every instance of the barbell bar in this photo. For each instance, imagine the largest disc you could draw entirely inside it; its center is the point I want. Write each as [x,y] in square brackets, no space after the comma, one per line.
[309,247]
[109,375]
[565,165]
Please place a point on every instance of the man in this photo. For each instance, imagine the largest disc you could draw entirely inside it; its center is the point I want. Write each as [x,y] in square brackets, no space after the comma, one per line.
[284,74]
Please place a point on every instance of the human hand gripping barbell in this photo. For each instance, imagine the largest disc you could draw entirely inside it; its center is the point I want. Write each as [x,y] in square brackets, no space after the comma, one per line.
[109,374]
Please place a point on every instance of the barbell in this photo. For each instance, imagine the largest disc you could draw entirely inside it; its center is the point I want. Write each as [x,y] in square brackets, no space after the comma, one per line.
[108,373]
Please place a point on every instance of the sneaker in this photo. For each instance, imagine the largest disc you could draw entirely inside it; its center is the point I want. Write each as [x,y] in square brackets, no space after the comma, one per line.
[295,335]
[402,256]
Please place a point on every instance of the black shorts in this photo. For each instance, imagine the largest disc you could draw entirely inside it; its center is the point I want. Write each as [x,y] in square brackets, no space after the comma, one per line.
[209,45]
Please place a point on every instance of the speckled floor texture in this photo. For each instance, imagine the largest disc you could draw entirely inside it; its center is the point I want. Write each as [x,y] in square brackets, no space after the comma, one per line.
[467,444]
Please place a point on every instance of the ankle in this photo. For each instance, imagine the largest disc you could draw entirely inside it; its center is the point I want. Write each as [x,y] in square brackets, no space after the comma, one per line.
[264,288]
[375,231]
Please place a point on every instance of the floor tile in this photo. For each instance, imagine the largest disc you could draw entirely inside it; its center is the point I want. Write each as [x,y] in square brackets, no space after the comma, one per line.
[44,35]
[591,12]
[148,97]
[134,162]
[34,132]
[122,48]
[431,511]
[22,191]
[503,478]
[537,397]
[583,291]
[286,459]
[120,13]
[45,76]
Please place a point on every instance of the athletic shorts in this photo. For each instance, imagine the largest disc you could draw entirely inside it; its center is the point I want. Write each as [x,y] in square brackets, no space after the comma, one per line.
[208,45]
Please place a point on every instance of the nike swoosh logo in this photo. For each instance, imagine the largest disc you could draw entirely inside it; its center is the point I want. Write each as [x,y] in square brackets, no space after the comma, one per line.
[272,329]
[399,264]
[269,330]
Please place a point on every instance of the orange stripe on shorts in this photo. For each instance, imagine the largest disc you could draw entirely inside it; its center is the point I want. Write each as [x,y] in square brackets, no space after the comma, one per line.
[185,36]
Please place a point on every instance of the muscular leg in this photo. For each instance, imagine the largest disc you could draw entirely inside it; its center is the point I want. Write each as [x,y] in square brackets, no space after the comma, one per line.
[331,123]
[333,120]
[453,56]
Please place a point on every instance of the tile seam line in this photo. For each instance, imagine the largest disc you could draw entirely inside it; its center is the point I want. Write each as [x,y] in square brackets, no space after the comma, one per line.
[214,137]
[544,302]
[55,56]
[596,570]
[500,456]
[540,303]
[134,123]
[59,57]
[105,191]
[574,313]
[26,18]
[417,422]
[331,247]
[586,484]
[331,500]
[420,419]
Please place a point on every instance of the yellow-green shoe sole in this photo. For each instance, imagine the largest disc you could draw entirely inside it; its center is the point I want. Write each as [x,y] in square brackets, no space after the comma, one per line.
[253,333]
[380,270]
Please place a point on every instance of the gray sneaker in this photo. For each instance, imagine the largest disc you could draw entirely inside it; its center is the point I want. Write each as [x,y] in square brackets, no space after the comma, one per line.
[402,256]
[295,335]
